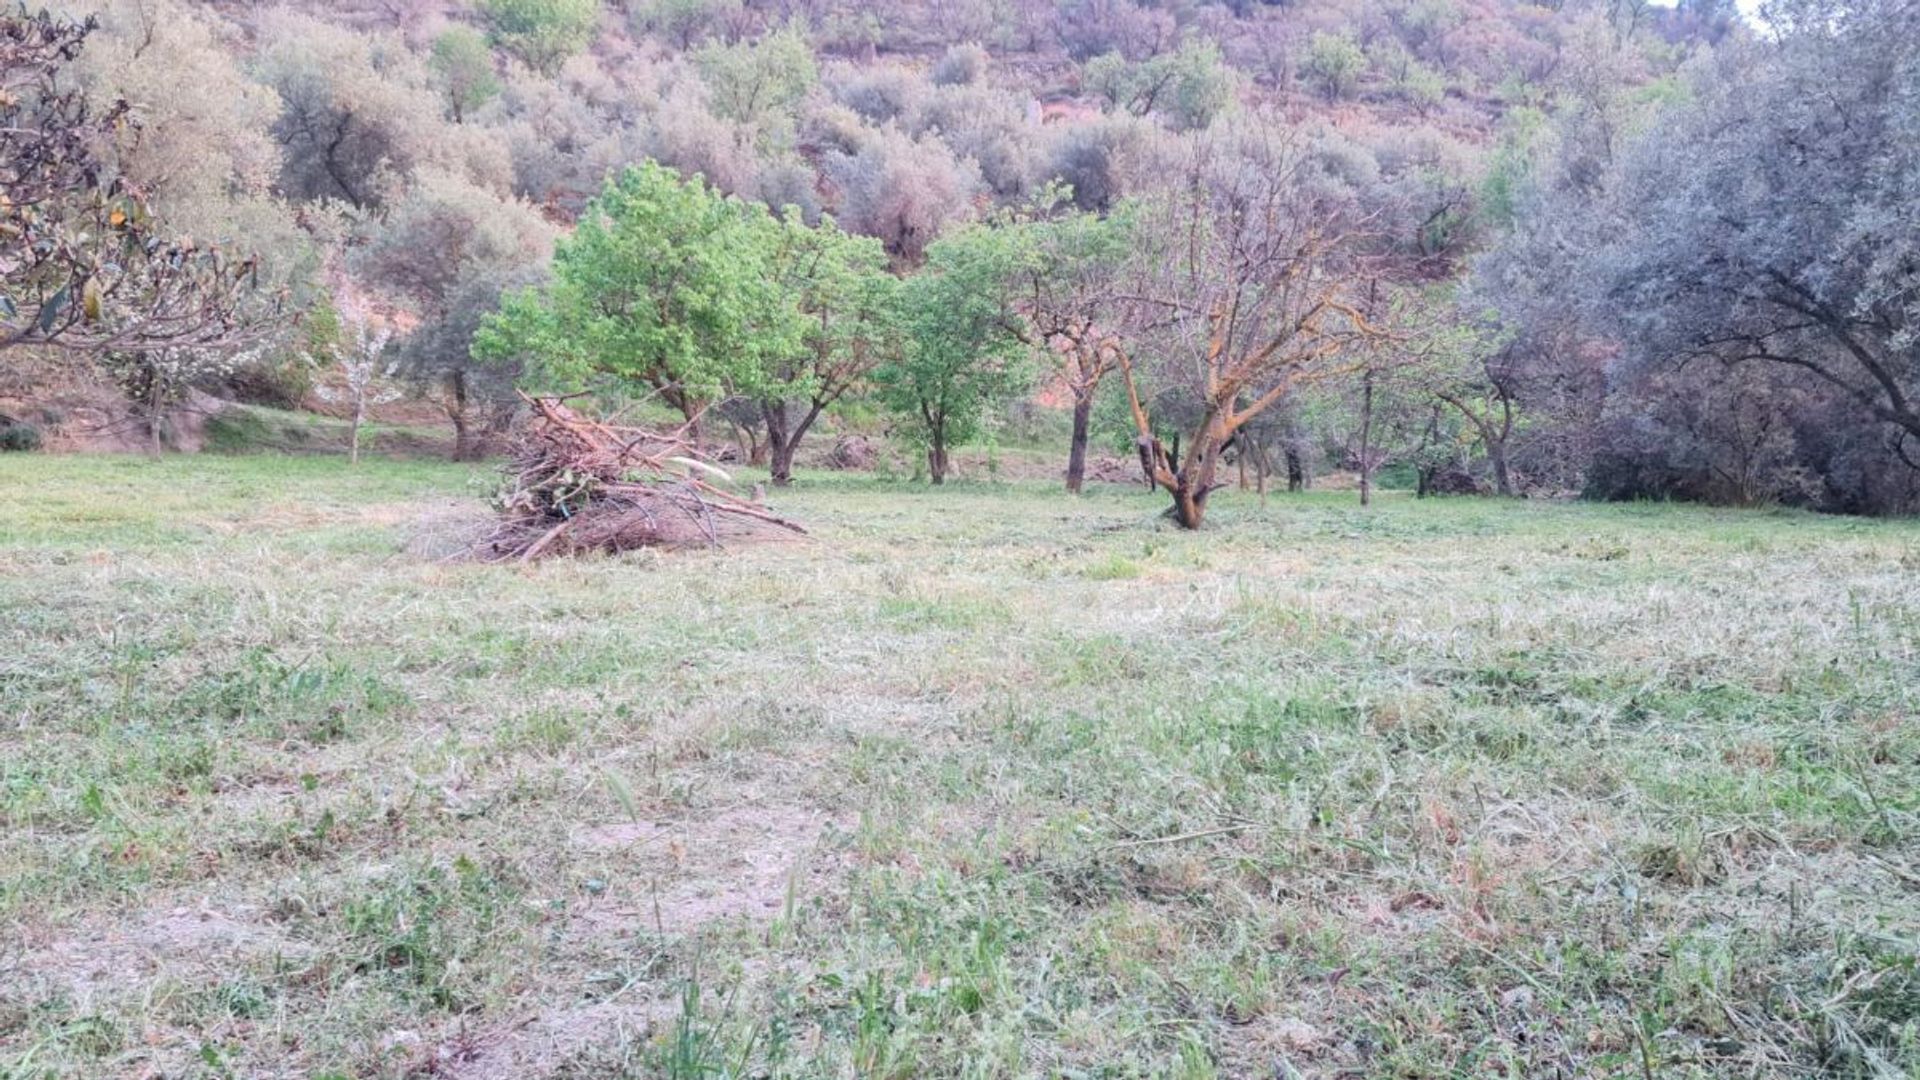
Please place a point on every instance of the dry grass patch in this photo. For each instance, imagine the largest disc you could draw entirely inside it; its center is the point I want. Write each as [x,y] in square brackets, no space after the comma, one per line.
[986,783]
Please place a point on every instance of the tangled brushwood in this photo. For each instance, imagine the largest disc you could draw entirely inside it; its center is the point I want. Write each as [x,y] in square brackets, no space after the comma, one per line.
[576,485]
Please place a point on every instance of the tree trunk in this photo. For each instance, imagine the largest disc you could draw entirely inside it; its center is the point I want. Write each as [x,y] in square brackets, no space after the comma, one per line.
[1148,449]
[154,447]
[781,454]
[353,431]
[1189,506]
[1502,476]
[1296,469]
[462,437]
[1366,440]
[1077,452]
[937,459]
[1260,468]
[463,449]
[1193,481]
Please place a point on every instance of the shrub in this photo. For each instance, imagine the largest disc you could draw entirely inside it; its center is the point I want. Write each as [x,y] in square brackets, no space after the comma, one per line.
[1333,65]
[962,65]
[542,32]
[17,436]
[465,69]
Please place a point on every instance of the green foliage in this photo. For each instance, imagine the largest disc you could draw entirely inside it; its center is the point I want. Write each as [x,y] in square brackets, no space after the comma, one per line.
[416,929]
[17,436]
[543,33]
[962,65]
[1421,87]
[758,81]
[665,284]
[684,22]
[959,354]
[464,65]
[1334,64]
[1510,166]
[1190,87]
[840,283]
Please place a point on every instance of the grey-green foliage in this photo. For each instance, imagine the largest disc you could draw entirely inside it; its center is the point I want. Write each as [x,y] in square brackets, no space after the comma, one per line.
[879,92]
[1774,219]
[360,115]
[988,126]
[1090,159]
[684,23]
[689,137]
[463,66]
[562,141]
[1189,87]
[903,190]
[204,150]
[1765,220]
[543,33]
[1334,64]
[446,252]
[961,65]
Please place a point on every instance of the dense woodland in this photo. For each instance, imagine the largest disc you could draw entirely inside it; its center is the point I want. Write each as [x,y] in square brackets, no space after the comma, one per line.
[1597,246]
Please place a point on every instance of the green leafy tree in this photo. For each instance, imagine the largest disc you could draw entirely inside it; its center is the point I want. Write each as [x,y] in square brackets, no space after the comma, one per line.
[665,284]
[958,352]
[542,32]
[464,66]
[758,82]
[1189,87]
[847,300]
[1333,65]
[685,22]
[1063,279]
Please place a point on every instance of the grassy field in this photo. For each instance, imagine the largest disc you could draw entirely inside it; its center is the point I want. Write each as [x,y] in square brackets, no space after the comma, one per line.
[981,782]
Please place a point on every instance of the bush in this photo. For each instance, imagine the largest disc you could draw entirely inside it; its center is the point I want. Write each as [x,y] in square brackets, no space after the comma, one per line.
[1334,64]
[18,436]
[542,32]
[963,65]
[278,384]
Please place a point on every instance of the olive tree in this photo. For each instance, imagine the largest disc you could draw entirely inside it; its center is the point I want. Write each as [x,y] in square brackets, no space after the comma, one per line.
[903,190]
[445,253]
[543,33]
[1774,221]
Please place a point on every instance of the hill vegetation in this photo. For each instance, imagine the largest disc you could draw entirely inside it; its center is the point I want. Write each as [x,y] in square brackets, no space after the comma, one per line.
[1538,220]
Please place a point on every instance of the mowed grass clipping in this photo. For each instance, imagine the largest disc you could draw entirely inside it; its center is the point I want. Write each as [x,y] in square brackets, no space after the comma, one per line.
[984,781]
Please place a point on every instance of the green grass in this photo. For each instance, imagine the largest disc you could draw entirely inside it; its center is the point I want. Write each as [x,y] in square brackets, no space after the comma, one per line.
[983,781]
[244,429]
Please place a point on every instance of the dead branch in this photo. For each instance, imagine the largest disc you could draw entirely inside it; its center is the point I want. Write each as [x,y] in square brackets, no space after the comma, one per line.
[575,484]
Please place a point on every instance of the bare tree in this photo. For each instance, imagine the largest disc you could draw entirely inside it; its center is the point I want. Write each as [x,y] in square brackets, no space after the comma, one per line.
[360,353]
[1248,283]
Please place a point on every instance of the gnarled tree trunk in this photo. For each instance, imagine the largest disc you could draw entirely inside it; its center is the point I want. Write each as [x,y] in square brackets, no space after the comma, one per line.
[1077,453]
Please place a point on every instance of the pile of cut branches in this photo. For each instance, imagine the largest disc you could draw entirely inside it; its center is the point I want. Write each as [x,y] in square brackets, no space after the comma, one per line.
[575,484]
